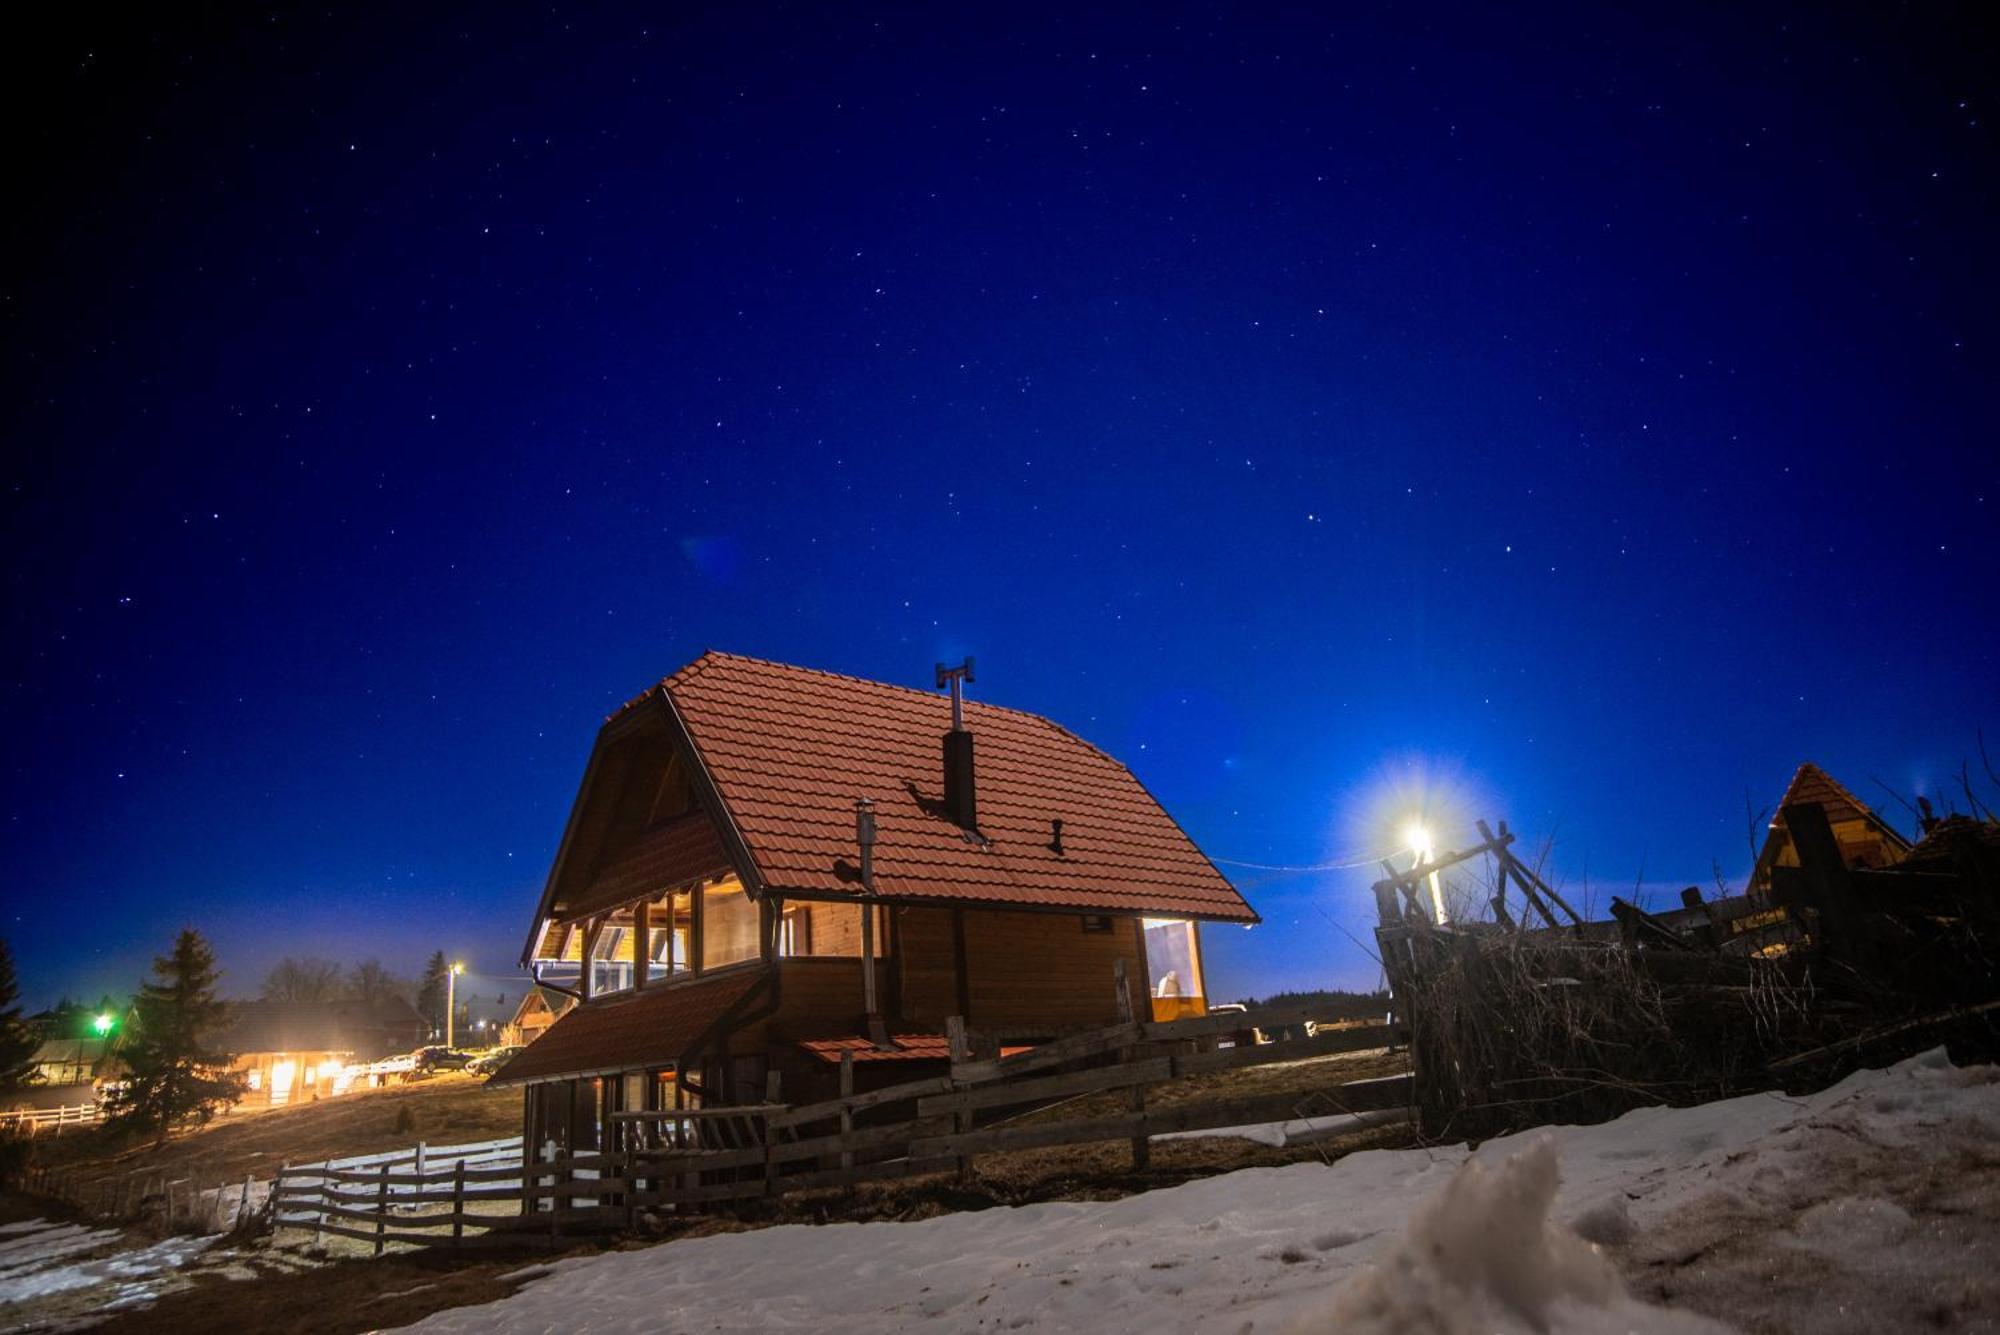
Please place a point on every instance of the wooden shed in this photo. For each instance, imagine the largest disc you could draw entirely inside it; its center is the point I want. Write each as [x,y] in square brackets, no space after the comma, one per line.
[768,866]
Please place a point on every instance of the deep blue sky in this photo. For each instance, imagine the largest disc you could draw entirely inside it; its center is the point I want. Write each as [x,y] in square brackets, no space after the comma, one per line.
[1592,412]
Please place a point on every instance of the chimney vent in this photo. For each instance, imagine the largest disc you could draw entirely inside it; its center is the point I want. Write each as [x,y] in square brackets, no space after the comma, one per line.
[959,802]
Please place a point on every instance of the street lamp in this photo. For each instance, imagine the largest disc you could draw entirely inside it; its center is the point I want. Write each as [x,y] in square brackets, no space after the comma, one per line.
[102,1025]
[451,998]
[1422,849]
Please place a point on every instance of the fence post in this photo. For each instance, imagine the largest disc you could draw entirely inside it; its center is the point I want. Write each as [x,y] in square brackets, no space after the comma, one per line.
[242,1203]
[1135,1097]
[420,1158]
[382,1208]
[458,1202]
[961,1050]
[846,1113]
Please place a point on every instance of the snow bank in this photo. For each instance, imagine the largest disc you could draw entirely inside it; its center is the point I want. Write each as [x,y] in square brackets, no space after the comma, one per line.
[1485,1257]
[38,1259]
[1506,1246]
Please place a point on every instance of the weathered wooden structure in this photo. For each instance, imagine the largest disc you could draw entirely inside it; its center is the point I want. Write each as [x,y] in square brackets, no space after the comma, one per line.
[1837,955]
[781,879]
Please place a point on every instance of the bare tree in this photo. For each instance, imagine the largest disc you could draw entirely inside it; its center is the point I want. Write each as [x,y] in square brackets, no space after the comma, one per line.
[302,979]
[369,981]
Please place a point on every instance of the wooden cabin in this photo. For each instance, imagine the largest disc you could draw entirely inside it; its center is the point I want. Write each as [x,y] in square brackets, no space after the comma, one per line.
[298,1051]
[538,1008]
[1865,839]
[768,866]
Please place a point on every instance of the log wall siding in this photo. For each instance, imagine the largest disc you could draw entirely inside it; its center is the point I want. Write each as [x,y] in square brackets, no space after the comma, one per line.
[929,982]
[1030,970]
[836,929]
[819,998]
[1026,970]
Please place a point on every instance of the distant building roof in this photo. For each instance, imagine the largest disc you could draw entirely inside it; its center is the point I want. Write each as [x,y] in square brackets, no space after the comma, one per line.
[1865,839]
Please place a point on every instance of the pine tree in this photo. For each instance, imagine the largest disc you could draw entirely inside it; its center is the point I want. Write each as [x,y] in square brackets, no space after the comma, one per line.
[174,1074]
[17,1040]
[431,993]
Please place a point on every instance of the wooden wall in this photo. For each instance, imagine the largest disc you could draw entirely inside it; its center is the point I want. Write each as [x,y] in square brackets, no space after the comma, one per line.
[820,998]
[836,929]
[1023,970]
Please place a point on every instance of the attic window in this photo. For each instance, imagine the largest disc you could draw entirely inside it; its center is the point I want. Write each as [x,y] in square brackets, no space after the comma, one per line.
[1096,922]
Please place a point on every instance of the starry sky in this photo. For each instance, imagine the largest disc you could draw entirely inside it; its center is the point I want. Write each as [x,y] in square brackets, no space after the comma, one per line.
[1577,418]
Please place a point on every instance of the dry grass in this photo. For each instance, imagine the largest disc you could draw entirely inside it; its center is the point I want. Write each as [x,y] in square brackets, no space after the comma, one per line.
[449,1109]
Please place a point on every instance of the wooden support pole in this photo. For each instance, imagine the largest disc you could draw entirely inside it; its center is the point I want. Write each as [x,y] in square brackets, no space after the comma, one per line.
[382,1210]
[846,1112]
[458,1203]
[961,1051]
[1135,1097]
[642,942]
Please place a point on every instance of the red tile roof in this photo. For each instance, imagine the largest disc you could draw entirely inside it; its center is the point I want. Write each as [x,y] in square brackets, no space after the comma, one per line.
[651,1027]
[790,749]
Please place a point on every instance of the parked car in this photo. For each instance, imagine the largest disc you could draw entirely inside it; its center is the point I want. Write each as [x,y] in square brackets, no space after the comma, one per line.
[437,1058]
[489,1062]
[1246,1037]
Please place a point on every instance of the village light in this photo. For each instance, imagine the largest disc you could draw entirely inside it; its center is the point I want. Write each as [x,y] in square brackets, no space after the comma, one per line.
[102,1024]
[451,996]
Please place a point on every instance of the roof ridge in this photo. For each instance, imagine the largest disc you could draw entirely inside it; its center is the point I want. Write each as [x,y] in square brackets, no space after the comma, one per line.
[692,668]
[1808,769]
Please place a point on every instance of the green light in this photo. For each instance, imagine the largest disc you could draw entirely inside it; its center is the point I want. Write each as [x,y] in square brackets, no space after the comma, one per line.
[102,1024]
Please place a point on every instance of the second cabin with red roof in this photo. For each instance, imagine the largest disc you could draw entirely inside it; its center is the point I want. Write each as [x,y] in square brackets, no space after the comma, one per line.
[748,834]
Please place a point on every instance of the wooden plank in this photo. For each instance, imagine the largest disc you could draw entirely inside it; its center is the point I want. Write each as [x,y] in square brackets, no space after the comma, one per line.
[1360,1096]
[1292,1049]
[830,1108]
[1092,1044]
[1007,1093]
[886,1170]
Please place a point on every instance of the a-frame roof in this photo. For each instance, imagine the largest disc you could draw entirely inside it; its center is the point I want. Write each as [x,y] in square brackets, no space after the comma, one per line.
[783,752]
[1813,786]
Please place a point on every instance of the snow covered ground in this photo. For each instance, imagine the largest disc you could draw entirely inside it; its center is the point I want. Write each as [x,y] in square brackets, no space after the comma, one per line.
[1871,1206]
[40,1260]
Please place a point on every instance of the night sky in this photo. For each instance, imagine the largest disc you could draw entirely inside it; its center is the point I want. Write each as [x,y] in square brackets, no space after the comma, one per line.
[1578,419]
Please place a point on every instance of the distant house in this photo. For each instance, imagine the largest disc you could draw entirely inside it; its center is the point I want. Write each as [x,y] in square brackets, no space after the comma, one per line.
[71,1061]
[289,1051]
[1865,839]
[729,908]
[539,1008]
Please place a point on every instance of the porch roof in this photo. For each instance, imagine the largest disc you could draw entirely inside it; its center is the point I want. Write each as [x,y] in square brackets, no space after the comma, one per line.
[650,1027]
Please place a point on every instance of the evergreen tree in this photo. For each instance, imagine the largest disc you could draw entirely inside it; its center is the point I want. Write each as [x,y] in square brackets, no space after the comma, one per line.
[431,993]
[17,1040]
[174,1074]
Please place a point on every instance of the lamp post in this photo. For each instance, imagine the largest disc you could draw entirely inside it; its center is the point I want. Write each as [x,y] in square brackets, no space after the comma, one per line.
[451,998]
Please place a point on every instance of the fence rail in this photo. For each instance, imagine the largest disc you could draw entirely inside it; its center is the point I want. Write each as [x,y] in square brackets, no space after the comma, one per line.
[457,1195]
[39,1119]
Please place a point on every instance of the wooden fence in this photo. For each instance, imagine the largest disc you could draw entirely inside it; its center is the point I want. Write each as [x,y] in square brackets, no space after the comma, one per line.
[398,1191]
[36,1120]
[674,1161]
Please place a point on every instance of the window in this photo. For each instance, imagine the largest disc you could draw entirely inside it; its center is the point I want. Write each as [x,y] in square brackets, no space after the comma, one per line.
[728,925]
[795,932]
[1096,922]
[1173,968]
[611,960]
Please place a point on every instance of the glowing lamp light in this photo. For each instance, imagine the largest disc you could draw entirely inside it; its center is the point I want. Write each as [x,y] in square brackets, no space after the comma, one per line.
[1423,851]
[102,1025]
